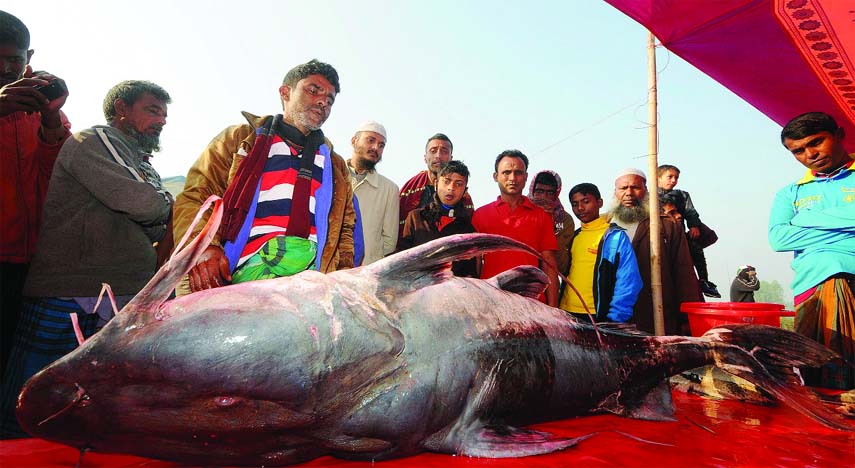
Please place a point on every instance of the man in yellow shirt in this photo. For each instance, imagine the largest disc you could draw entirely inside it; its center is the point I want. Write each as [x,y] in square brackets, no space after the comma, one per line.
[603,268]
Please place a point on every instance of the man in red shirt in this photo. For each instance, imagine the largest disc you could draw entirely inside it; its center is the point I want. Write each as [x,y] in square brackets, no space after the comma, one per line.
[32,130]
[514,215]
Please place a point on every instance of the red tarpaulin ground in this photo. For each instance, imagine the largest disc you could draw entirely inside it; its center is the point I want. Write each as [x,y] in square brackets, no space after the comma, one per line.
[707,434]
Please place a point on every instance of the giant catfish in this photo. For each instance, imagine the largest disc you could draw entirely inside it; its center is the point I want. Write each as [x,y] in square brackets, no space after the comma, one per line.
[382,361]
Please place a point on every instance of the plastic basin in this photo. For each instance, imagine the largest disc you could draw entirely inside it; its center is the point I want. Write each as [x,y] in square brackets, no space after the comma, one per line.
[706,315]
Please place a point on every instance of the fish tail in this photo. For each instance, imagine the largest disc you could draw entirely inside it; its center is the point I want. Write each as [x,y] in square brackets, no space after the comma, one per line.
[769,357]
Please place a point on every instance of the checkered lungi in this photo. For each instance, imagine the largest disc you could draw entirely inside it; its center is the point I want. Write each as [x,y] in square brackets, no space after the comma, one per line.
[828,316]
[44,334]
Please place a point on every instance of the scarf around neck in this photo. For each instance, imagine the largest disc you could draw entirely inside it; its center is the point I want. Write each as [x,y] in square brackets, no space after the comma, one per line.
[241,191]
[557,210]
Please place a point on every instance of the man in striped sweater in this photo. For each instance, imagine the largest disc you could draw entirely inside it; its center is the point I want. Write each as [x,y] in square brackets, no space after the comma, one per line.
[287,195]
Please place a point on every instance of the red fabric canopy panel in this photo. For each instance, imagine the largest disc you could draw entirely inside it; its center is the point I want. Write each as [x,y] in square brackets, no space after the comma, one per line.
[784,57]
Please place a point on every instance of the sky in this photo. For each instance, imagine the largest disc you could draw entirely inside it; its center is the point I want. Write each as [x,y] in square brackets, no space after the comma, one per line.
[564,82]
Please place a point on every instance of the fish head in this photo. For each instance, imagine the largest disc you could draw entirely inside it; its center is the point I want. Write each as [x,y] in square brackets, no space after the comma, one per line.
[55,404]
[241,365]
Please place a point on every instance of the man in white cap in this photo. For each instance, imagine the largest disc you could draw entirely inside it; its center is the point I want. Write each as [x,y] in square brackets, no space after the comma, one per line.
[679,282]
[376,195]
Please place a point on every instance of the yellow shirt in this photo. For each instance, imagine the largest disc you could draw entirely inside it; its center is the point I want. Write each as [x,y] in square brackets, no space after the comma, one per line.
[583,259]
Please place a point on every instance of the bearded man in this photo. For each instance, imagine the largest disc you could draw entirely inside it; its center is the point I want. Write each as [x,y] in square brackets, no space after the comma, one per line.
[105,208]
[679,282]
[376,195]
[288,203]
[418,192]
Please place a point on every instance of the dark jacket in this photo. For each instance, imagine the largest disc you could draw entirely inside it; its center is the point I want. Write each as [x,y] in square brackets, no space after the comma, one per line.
[421,227]
[743,286]
[679,282]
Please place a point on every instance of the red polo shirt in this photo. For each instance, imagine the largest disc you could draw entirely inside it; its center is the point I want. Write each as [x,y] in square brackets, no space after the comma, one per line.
[528,223]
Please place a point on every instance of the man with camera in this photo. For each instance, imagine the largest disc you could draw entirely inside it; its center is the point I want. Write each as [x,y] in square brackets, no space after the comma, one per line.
[32,130]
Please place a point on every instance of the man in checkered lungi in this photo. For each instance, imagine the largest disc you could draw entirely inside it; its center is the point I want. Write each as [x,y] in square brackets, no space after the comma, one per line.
[814,218]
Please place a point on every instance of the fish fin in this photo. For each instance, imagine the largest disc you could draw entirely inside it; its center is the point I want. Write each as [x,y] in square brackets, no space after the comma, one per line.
[142,307]
[655,405]
[430,263]
[471,435]
[766,357]
[526,280]
[502,441]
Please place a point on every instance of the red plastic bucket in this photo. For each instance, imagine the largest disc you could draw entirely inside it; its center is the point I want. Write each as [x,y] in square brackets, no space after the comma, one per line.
[706,315]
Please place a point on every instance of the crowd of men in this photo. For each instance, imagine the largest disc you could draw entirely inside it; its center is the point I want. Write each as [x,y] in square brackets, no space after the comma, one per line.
[85,209]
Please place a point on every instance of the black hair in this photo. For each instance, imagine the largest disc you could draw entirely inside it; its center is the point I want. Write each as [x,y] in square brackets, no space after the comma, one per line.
[545,178]
[807,124]
[129,92]
[13,31]
[443,137]
[665,168]
[512,153]
[585,188]
[454,167]
[312,67]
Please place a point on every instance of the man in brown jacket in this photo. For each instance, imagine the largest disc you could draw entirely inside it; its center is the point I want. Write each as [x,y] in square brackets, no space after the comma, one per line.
[679,282]
[287,196]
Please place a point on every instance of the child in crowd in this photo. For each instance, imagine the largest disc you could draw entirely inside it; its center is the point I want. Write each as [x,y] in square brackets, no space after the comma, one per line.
[444,216]
[603,267]
[668,176]
[545,192]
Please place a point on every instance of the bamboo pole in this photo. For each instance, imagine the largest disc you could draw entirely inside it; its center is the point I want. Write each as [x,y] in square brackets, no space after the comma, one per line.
[652,189]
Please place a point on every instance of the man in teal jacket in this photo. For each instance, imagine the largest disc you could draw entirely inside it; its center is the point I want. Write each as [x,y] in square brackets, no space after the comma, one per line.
[815,219]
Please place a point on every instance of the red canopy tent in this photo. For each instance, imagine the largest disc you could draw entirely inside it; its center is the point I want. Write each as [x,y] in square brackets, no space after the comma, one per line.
[784,57]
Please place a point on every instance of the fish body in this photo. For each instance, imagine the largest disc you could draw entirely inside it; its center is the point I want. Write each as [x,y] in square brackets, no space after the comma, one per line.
[377,362]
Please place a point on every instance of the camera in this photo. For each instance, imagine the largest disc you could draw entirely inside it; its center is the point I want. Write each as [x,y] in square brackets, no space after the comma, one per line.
[53,90]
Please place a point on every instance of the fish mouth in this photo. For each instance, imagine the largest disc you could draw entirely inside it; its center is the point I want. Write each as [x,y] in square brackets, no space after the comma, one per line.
[47,409]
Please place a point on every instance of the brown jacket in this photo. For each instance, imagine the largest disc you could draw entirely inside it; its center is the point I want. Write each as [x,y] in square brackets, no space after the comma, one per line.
[564,232]
[216,167]
[679,282]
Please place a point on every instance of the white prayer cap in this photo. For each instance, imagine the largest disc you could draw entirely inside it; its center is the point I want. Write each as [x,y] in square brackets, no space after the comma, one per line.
[372,126]
[631,171]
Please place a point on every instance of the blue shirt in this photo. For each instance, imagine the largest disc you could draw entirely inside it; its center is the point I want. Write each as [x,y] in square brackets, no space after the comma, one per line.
[815,219]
